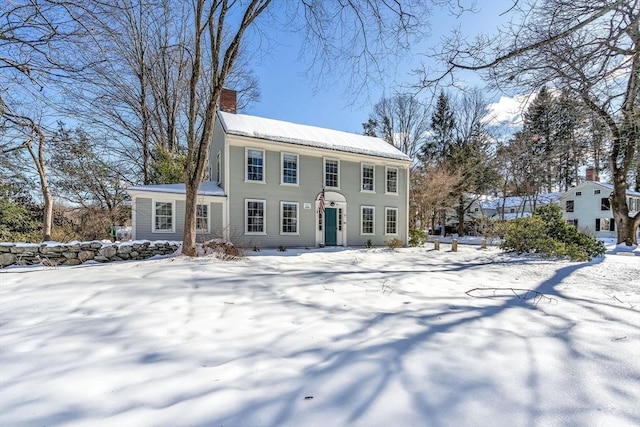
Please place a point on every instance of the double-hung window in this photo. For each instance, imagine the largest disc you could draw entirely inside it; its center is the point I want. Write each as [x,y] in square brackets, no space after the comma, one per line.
[391,220]
[391,180]
[605,204]
[254,216]
[289,168]
[163,221]
[367,220]
[289,218]
[202,218]
[367,177]
[255,165]
[332,173]
[568,206]
[605,224]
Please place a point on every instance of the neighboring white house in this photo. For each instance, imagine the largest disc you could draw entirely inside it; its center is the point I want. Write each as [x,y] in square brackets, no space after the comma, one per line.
[277,183]
[588,206]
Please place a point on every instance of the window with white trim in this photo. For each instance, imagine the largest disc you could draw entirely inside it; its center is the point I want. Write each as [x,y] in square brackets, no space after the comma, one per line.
[289,168]
[391,220]
[163,221]
[332,173]
[367,220]
[391,180]
[596,192]
[367,173]
[605,204]
[288,218]
[254,216]
[202,217]
[255,165]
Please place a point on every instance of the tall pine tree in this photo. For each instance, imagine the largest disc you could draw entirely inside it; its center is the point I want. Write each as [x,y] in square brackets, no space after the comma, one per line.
[438,148]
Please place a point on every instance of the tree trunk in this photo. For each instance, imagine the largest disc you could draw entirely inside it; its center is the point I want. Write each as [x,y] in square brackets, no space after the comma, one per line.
[461,211]
[39,161]
[47,219]
[189,238]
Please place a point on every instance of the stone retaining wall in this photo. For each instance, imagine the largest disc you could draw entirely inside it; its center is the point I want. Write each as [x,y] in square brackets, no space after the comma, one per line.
[78,252]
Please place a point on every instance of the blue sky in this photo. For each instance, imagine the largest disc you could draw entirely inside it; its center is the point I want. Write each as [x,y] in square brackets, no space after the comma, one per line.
[288,92]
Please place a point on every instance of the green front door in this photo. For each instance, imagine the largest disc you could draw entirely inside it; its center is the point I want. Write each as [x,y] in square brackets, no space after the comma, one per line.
[330,227]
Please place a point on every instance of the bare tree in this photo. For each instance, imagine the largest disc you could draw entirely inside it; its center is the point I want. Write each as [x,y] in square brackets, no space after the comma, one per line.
[587,48]
[35,54]
[401,120]
[31,137]
[432,193]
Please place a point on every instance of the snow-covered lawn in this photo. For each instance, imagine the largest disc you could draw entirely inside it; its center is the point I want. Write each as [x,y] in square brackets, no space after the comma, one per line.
[323,338]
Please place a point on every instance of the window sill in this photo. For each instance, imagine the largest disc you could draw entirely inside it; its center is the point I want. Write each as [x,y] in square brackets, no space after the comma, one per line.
[163,231]
[286,184]
[246,181]
[247,233]
[391,194]
[368,191]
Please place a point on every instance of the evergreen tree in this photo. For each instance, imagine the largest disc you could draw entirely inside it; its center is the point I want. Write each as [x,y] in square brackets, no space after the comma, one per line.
[569,149]
[438,147]
[538,131]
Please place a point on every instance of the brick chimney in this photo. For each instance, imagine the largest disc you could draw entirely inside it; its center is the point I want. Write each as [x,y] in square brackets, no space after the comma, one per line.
[228,101]
[592,175]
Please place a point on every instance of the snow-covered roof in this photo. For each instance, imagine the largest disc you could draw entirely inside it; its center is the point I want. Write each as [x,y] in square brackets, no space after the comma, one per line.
[517,201]
[311,136]
[604,185]
[207,188]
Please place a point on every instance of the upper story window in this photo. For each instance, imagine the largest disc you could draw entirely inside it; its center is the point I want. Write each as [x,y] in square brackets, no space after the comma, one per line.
[289,218]
[254,217]
[368,177]
[289,168]
[605,204]
[163,221]
[255,165]
[578,193]
[367,220]
[332,173]
[568,206]
[392,180]
[596,192]
[202,217]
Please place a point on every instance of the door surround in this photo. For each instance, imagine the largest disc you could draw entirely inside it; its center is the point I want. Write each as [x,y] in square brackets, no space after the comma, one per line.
[335,200]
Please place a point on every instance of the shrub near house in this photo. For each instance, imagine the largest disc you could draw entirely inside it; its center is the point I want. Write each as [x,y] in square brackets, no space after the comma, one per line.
[549,235]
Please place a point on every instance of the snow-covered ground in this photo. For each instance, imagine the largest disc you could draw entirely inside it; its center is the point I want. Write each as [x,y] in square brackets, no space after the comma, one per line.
[324,338]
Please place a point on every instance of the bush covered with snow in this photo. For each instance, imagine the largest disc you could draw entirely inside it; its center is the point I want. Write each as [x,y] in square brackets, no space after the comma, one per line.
[547,233]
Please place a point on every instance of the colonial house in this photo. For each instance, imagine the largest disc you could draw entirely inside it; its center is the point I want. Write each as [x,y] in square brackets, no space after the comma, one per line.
[276,183]
[588,206]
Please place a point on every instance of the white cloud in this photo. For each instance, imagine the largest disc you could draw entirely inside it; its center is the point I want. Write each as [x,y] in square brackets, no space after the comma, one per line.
[507,111]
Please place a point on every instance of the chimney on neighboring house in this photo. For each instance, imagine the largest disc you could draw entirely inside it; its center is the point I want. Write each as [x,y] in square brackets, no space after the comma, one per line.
[592,175]
[228,101]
